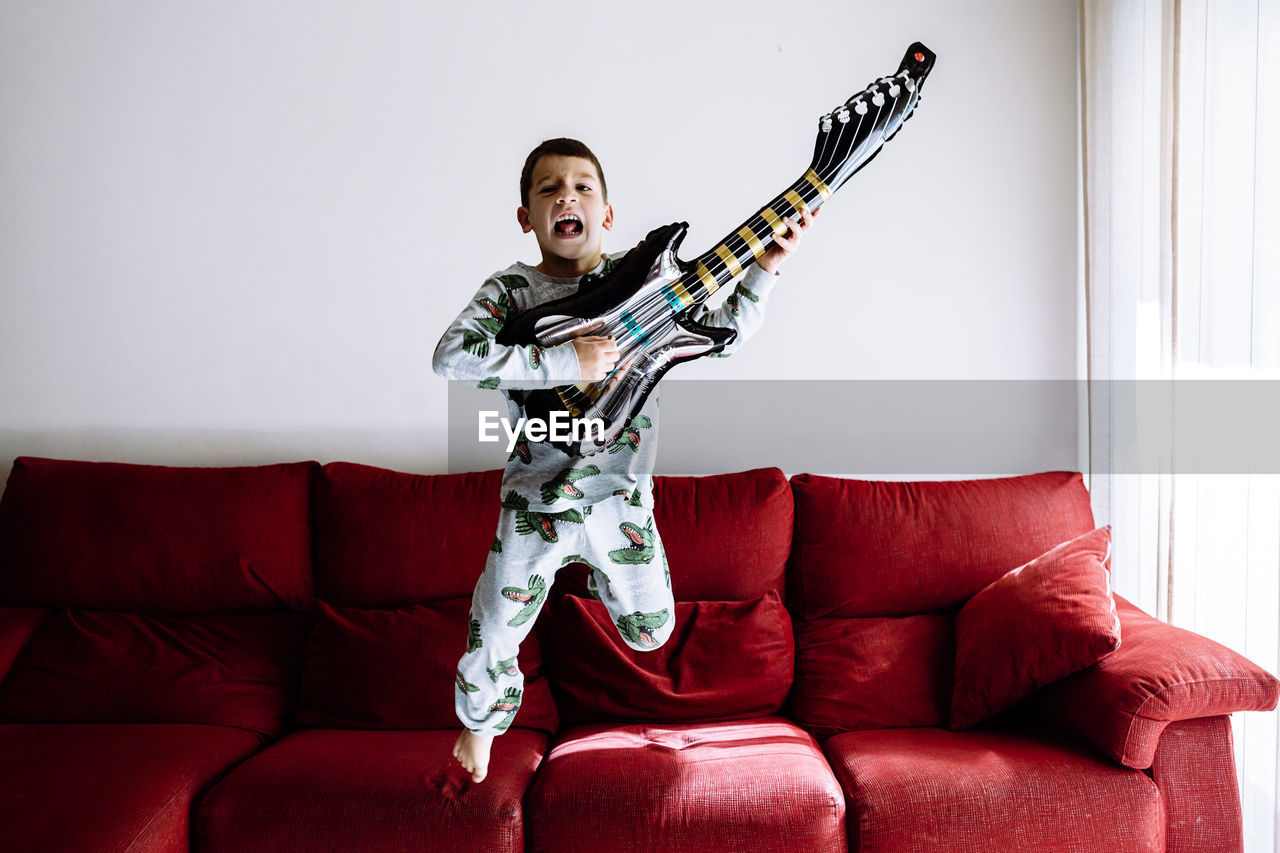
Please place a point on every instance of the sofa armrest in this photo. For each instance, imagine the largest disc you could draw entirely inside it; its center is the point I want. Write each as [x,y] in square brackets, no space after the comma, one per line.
[17,625]
[1159,675]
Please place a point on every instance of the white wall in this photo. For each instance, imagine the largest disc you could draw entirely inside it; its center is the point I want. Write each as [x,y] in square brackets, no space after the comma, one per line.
[232,233]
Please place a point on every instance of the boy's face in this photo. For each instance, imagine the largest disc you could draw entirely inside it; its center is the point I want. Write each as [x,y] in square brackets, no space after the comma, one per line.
[566,210]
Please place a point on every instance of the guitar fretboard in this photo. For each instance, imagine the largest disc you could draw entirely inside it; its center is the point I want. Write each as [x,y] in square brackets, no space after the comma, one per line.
[741,247]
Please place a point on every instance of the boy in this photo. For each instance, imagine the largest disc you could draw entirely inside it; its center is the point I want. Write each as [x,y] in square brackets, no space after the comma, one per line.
[596,510]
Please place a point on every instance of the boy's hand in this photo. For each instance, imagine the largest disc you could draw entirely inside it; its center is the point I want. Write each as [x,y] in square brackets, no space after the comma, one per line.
[785,244]
[597,356]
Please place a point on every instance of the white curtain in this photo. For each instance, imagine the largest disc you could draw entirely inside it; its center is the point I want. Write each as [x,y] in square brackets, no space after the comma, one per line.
[1180,106]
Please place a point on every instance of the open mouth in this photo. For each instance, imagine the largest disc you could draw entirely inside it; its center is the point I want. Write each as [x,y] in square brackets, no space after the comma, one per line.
[568,225]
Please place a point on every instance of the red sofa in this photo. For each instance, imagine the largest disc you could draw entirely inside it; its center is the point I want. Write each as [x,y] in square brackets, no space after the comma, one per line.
[262,658]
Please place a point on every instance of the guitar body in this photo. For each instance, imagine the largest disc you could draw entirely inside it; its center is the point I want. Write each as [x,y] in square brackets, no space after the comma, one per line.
[647,301]
[620,304]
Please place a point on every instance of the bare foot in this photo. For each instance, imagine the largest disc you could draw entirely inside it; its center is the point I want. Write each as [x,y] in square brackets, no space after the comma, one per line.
[472,752]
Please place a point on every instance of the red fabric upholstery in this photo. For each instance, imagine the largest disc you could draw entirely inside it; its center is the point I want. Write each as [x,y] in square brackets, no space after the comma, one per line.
[866,548]
[969,792]
[152,538]
[1037,624]
[394,669]
[725,660]
[170,590]
[727,537]
[1159,674]
[17,625]
[387,539]
[109,787]
[1195,771]
[323,790]
[759,786]
[232,669]
[856,674]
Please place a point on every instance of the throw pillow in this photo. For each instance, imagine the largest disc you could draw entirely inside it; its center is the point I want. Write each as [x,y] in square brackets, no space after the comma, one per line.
[1039,623]
[725,660]
[396,668]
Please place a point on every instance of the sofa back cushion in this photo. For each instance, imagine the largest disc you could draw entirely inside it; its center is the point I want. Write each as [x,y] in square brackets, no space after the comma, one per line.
[151,538]
[731,655]
[868,548]
[878,571]
[92,666]
[873,673]
[387,539]
[395,668]
[397,558]
[727,537]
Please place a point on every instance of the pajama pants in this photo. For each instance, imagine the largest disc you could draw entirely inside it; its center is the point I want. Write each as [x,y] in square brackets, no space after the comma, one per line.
[616,539]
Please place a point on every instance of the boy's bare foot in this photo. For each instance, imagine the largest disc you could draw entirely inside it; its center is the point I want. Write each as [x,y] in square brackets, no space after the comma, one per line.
[472,752]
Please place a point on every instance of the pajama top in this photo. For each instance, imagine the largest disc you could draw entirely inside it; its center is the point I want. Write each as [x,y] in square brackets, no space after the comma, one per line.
[537,472]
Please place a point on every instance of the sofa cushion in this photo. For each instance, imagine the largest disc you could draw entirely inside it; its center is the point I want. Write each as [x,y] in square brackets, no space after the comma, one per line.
[724,660]
[987,790]
[866,548]
[873,673]
[727,537]
[78,786]
[394,669]
[116,536]
[17,625]
[1039,623]
[752,785]
[387,539]
[233,669]
[324,790]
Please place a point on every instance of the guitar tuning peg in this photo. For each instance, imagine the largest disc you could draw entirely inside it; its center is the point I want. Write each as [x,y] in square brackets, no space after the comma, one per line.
[826,123]
[860,107]
[907,81]
[894,89]
[843,115]
[878,99]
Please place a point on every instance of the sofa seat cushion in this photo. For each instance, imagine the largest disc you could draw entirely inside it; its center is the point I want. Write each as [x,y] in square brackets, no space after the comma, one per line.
[990,790]
[80,786]
[752,785]
[328,789]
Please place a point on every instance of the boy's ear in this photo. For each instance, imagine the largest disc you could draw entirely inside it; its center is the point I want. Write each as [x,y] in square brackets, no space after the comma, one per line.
[607,224]
[522,216]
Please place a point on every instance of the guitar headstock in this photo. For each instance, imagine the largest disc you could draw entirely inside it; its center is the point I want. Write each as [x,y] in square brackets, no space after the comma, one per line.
[853,132]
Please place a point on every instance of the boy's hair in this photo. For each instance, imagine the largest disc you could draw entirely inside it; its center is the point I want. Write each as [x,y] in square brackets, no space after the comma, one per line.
[564,147]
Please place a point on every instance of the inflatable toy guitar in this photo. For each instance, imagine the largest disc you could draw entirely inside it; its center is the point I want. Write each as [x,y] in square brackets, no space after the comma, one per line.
[646,301]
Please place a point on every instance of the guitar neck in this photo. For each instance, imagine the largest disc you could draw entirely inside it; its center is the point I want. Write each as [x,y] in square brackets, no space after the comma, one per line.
[742,246]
